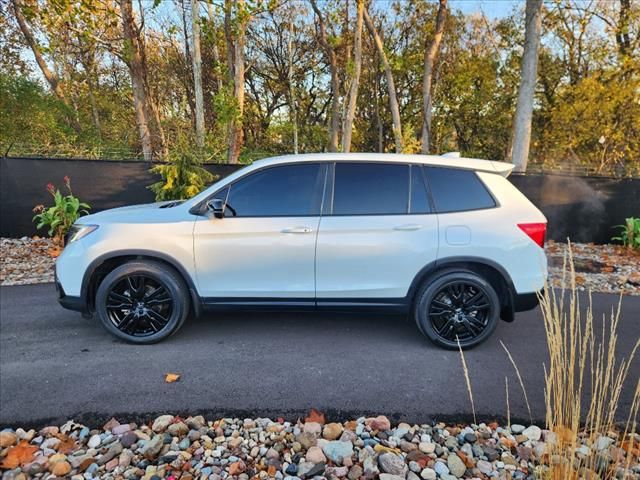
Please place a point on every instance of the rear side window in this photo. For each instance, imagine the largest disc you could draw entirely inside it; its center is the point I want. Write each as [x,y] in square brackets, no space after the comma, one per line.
[370,189]
[288,190]
[455,190]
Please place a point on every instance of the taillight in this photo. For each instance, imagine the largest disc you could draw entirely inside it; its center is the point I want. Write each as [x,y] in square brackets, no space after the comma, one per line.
[536,232]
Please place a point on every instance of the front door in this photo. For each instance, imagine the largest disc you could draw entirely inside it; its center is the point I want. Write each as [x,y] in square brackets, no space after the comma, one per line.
[264,247]
[376,236]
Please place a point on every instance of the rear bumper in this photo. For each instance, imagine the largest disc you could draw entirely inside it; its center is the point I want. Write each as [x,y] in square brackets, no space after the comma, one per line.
[525,301]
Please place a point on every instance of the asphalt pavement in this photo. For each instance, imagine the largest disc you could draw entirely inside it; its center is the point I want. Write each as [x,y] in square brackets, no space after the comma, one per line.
[56,365]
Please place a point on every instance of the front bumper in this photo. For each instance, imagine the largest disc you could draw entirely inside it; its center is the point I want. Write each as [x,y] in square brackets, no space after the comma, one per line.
[68,301]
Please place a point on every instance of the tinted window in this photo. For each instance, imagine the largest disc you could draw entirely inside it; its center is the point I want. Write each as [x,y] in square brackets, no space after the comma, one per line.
[290,190]
[370,188]
[454,190]
[419,197]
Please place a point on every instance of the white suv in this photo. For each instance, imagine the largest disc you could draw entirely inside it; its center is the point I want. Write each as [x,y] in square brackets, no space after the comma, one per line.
[449,240]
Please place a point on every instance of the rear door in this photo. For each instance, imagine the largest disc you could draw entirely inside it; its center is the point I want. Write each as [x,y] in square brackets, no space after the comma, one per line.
[376,233]
[264,247]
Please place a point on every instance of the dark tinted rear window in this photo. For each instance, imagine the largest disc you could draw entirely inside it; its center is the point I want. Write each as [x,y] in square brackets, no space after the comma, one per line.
[370,189]
[456,190]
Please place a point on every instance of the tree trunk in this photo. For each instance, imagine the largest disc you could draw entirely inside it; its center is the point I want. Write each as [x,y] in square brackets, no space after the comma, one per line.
[51,77]
[216,53]
[524,109]
[355,82]
[623,37]
[430,54]
[334,130]
[235,36]
[137,71]
[197,73]
[293,111]
[391,86]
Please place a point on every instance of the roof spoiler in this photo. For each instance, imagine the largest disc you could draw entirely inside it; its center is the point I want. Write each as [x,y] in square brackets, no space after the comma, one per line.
[501,168]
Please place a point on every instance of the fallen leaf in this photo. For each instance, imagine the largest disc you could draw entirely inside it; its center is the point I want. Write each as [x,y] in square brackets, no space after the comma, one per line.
[171,377]
[19,455]
[66,444]
[315,416]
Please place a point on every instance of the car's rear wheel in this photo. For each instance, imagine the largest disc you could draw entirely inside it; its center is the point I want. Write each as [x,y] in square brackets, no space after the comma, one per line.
[457,306]
[142,302]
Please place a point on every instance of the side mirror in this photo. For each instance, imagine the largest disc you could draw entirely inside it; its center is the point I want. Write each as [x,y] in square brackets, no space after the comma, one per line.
[216,206]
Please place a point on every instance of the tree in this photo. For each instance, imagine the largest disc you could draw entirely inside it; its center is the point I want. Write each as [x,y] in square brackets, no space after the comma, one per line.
[528,76]
[332,59]
[355,81]
[430,53]
[197,73]
[391,86]
[236,19]
[50,76]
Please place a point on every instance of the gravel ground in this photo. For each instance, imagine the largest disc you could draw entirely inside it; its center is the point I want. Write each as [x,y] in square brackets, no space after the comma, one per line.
[599,268]
[367,448]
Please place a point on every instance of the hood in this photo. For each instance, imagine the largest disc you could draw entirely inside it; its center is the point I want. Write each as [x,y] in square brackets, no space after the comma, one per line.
[142,212]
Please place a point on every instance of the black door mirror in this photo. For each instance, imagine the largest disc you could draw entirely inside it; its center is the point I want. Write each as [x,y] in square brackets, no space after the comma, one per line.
[216,206]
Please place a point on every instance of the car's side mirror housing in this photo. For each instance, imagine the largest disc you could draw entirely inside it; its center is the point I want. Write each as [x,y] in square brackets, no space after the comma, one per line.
[216,206]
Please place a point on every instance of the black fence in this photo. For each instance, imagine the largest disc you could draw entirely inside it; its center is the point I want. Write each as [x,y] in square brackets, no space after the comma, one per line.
[585,209]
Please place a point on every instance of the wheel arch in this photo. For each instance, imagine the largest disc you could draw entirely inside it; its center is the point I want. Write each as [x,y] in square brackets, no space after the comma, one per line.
[102,265]
[494,273]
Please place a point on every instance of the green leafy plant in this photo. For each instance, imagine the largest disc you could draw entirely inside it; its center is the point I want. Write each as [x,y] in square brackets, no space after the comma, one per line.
[182,177]
[62,215]
[629,233]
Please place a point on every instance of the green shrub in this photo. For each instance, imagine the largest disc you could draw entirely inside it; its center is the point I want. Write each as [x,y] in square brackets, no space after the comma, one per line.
[182,177]
[62,215]
[629,233]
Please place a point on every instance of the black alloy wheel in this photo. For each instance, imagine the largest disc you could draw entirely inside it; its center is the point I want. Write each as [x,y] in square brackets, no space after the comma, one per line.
[457,306]
[142,302]
[139,305]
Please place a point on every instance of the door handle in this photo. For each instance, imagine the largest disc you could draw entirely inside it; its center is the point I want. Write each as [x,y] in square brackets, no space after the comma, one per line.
[297,230]
[408,227]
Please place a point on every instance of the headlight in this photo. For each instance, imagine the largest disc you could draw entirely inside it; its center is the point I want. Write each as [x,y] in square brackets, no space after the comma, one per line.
[76,232]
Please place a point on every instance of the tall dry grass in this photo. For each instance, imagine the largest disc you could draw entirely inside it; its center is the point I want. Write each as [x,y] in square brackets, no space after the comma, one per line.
[583,384]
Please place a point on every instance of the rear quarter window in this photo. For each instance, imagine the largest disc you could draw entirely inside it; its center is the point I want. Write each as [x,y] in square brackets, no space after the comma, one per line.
[456,190]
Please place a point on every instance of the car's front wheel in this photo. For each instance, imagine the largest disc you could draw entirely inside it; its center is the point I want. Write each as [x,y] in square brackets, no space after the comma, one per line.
[142,302]
[457,306]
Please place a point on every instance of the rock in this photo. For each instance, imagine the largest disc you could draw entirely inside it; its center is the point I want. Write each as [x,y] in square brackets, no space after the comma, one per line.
[379,423]
[94,441]
[161,423]
[60,469]
[337,451]
[315,455]
[441,468]
[490,452]
[427,447]
[407,446]
[237,468]
[317,469]
[428,474]
[456,465]
[332,431]
[336,472]
[484,466]
[355,472]
[393,464]
[313,428]
[533,433]
[121,429]
[177,429]
[470,438]
[128,439]
[8,439]
[389,476]
[112,423]
[603,443]
[152,447]
[306,439]
[517,429]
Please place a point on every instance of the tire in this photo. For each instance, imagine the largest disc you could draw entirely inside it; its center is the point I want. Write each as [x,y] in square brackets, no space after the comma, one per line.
[457,303]
[142,302]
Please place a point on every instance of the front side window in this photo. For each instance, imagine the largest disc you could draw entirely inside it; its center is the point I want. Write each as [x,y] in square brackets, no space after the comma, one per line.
[370,189]
[281,191]
[456,190]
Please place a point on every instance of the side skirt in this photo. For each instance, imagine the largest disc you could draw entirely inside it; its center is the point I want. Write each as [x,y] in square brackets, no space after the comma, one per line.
[376,305]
